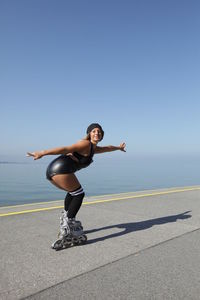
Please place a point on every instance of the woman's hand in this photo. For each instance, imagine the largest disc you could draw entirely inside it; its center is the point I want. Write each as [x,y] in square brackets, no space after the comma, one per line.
[122,147]
[36,155]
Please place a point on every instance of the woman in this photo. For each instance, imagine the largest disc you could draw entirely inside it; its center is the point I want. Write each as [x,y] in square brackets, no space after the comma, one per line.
[61,171]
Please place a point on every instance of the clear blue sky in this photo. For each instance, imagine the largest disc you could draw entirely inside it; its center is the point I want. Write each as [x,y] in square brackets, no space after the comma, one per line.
[133,66]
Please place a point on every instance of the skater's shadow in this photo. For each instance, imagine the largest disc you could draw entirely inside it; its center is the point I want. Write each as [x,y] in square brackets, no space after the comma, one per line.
[135,226]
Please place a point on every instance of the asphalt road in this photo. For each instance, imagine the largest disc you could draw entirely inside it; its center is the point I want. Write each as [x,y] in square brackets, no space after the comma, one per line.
[142,245]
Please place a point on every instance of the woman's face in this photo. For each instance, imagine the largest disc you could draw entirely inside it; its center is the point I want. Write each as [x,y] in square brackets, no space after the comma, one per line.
[96,135]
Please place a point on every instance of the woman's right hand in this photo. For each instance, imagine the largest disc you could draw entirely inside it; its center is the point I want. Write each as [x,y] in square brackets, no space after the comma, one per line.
[122,147]
[36,155]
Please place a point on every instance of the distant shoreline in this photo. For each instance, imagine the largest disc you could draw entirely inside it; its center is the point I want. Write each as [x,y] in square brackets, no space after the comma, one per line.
[12,162]
[17,163]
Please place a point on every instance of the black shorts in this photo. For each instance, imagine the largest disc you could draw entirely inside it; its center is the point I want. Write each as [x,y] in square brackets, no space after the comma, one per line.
[61,165]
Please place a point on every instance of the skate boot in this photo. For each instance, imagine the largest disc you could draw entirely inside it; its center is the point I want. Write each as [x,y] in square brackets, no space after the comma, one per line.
[71,233]
[63,230]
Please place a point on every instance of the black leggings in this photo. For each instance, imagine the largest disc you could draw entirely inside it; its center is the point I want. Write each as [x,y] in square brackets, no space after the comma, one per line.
[73,203]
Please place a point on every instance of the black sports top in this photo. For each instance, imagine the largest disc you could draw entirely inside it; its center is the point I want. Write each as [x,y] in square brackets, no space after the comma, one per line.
[64,164]
[84,161]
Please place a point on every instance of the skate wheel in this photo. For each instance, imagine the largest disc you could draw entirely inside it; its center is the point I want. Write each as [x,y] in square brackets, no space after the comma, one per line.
[75,241]
[57,245]
[67,242]
[83,239]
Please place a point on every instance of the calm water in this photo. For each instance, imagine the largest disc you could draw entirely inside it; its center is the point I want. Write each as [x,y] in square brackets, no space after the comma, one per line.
[26,182]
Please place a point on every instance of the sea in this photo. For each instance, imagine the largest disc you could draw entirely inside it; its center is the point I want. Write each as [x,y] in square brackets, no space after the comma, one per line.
[25,182]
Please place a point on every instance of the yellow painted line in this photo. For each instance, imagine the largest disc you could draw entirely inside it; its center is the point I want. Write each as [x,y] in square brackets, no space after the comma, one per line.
[54,201]
[30,204]
[102,201]
[29,211]
[143,195]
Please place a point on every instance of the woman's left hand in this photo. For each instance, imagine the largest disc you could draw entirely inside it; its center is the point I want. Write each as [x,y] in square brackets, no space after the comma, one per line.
[122,147]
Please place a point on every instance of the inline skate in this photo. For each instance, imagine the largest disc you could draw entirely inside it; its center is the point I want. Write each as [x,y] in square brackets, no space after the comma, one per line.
[71,233]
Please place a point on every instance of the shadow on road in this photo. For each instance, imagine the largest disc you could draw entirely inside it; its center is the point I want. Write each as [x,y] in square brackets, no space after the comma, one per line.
[136,226]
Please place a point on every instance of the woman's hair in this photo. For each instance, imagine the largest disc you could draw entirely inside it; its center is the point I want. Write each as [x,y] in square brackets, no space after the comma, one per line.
[87,137]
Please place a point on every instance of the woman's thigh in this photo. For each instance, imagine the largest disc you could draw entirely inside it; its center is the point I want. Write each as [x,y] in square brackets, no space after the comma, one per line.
[67,182]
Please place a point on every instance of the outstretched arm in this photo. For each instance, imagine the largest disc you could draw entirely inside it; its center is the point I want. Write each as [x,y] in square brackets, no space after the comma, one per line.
[79,147]
[54,151]
[110,148]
